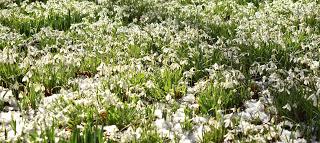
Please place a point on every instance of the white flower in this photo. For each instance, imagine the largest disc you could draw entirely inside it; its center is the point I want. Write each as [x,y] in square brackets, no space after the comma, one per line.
[158,113]
[228,122]
[245,116]
[184,62]
[7,117]
[149,84]
[161,123]
[285,135]
[110,130]
[228,84]
[198,133]
[189,98]
[39,87]
[177,128]
[314,65]
[138,132]
[6,95]
[102,68]
[168,97]
[194,106]
[185,140]
[80,127]
[264,117]
[287,106]
[127,135]
[165,133]
[174,66]
[179,116]
[313,98]
[199,120]
[229,136]
[27,76]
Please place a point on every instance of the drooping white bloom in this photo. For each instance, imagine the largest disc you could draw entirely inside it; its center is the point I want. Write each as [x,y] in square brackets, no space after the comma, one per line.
[110,130]
[27,76]
[287,106]
[314,65]
[6,95]
[177,128]
[161,123]
[189,98]
[150,84]
[138,132]
[179,116]
[158,113]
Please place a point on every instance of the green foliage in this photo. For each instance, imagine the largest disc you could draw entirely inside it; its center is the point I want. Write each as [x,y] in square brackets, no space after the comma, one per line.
[18,2]
[263,55]
[166,81]
[89,64]
[2,105]
[10,74]
[53,77]
[302,110]
[256,3]
[135,9]
[31,26]
[90,134]
[215,135]
[121,117]
[149,135]
[31,99]
[11,77]
[201,62]
[215,98]
[246,36]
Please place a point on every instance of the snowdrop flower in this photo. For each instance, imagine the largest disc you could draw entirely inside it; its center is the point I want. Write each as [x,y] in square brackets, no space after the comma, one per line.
[150,84]
[184,139]
[285,135]
[102,68]
[158,113]
[174,66]
[184,62]
[301,140]
[7,117]
[161,123]
[81,127]
[198,133]
[27,76]
[39,87]
[165,133]
[228,84]
[253,106]
[314,65]
[179,116]
[128,135]
[245,116]
[264,117]
[6,95]
[168,97]
[189,98]
[138,132]
[194,106]
[110,130]
[314,98]
[287,106]
[228,120]
[177,128]
[229,136]
[199,120]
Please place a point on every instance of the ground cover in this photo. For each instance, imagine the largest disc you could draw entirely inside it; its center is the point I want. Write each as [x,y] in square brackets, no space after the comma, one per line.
[159,71]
